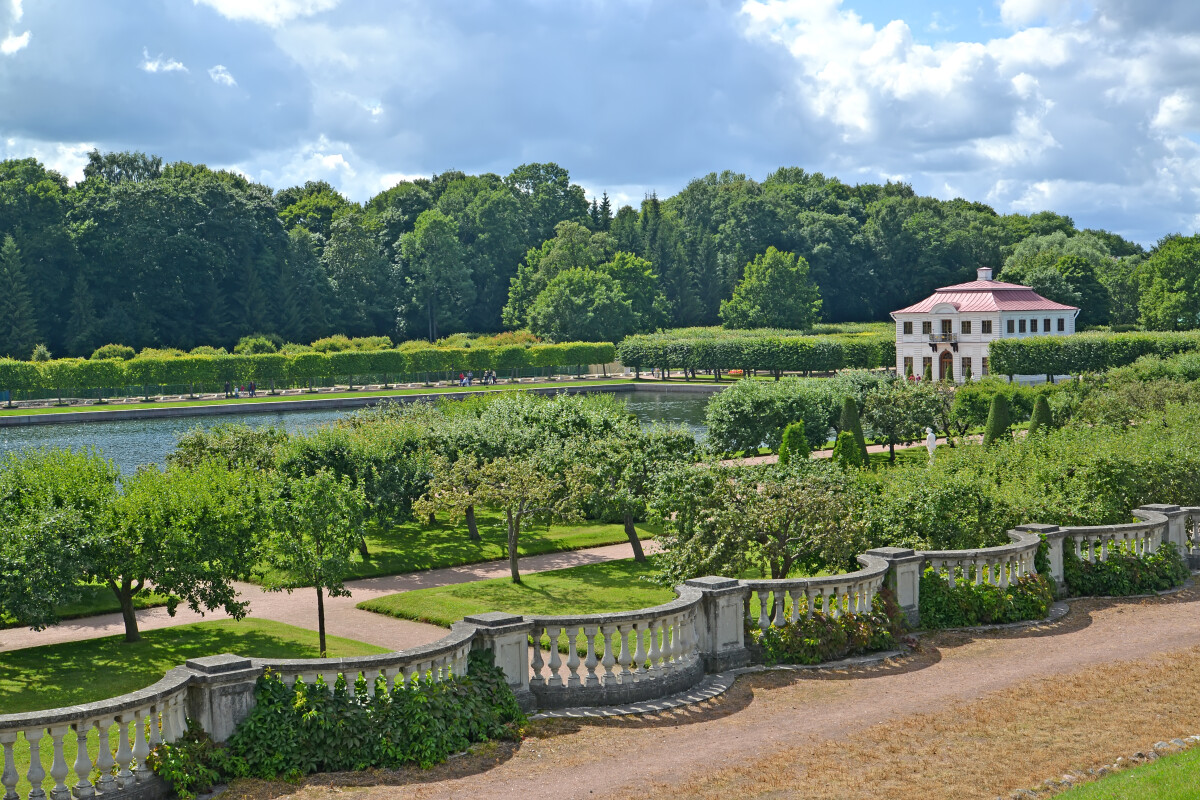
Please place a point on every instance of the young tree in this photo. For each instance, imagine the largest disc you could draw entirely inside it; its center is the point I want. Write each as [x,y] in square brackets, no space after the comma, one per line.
[775,292]
[898,414]
[846,451]
[794,445]
[18,326]
[998,421]
[317,526]
[519,486]
[187,533]
[582,305]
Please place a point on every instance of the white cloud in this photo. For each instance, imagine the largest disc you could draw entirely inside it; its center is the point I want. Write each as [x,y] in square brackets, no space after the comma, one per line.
[17,11]
[161,64]
[1019,13]
[220,74]
[12,43]
[68,158]
[268,12]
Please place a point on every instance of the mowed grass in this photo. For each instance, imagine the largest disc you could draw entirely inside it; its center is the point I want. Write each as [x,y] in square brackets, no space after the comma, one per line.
[292,395]
[1173,777]
[413,546]
[588,589]
[84,672]
[95,600]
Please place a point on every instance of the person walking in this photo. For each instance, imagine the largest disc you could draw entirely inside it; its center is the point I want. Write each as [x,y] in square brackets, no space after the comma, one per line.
[227,390]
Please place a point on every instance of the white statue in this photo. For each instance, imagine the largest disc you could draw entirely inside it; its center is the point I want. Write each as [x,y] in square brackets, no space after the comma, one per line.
[930,442]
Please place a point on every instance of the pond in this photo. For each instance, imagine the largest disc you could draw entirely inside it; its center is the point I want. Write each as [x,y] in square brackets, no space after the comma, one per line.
[131,443]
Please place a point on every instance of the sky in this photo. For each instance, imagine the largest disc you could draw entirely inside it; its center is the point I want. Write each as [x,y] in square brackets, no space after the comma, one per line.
[1090,108]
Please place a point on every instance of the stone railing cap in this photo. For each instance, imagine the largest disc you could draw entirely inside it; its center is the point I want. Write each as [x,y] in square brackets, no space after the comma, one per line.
[215,665]
[1161,507]
[891,552]
[493,619]
[1037,527]
[712,582]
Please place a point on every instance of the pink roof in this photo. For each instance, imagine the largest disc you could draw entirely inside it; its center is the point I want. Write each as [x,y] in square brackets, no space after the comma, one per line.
[986,296]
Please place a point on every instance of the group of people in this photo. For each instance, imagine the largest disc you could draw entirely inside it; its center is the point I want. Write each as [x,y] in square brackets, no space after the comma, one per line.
[237,391]
[468,378]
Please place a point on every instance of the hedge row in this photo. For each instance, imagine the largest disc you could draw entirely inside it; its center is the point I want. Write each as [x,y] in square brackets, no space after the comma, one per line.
[300,369]
[773,353]
[1084,352]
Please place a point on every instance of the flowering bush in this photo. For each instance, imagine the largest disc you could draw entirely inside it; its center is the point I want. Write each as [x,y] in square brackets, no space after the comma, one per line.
[821,637]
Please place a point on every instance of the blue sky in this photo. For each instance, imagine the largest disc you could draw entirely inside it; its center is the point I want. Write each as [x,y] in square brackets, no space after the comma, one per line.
[1090,108]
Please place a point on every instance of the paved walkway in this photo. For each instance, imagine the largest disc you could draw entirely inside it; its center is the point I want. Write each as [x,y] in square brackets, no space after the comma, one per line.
[341,616]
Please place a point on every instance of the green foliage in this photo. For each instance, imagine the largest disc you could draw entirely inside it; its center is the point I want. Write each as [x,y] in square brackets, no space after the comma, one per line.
[846,451]
[257,343]
[232,444]
[192,764]
[113,351]
[820,637]
[793,446]
[317,728]
[927,375]
[1123,573]
[582,304]
[775,292]
[849,422]
[18,324]
[1041,419]
[40,353]
[967,603]
[1084,352]
[1169,283]
[998,421]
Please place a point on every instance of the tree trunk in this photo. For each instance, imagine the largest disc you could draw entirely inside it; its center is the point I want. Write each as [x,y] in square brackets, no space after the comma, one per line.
[514,530]
[124,594]
[891,453]
[321,621]
[362,548]
[432,518]
[472,528]
[632,533]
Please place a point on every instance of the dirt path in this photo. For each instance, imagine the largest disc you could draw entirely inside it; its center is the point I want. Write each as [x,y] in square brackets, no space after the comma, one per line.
[737,741]
[341,617]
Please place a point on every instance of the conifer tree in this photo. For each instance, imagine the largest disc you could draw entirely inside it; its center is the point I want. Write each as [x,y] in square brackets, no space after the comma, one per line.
[850,423]
[847,452]
[949,376]
[795,444]
[82,323]
[1041,420]
[928,371]
[998,421]
[605,212]
[967,373]
[18,328]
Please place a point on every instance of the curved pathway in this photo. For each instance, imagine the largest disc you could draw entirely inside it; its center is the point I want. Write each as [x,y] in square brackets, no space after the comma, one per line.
[341,617]
[768,723]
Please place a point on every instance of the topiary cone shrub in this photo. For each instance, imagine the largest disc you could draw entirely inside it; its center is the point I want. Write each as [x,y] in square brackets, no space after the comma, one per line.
[998,421]
[850,423]
[967,373]
[1041,419]
[795,445]
[949,377]
[846,451]
[928,372]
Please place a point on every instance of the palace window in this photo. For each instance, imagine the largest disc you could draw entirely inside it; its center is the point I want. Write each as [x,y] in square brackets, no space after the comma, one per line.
[1062,324]
[1033,326]
[927,327]
[907,328]
[1012,326]
[966,365]
[908,366]
[966,326]
[1046,325]
[1020,326]
[984,371]
[926,365]
[986,326]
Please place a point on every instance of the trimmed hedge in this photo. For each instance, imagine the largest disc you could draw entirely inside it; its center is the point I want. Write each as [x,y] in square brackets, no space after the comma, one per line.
[115,375]
[1123,573]
[967,604]
[1083,352]
[770,351]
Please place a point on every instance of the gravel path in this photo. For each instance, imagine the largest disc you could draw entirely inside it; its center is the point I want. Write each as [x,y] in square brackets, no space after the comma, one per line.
[341,617]
[769,713]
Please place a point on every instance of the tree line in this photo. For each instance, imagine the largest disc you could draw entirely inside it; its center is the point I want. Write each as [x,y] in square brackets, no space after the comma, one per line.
[149,254]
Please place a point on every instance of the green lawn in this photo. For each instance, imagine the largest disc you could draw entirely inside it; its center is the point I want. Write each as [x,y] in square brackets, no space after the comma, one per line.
[412,546]
[95,600]
[263,397]
[1173,777]
[84,672]
[588,589]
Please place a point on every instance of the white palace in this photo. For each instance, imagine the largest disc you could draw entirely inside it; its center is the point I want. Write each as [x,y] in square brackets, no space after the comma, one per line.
[951,329]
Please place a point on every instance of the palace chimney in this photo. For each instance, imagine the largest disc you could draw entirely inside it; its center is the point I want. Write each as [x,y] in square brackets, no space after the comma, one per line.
[984,273]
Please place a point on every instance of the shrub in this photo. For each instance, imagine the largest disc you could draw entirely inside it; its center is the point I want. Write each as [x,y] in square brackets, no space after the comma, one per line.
[847,452]
[113,351]
[311,728]
[40,353]
[257,344]
[1123,573]
[1041,419]
[821,638]
[850,423]
[966,603]
[998,421]
[793,447]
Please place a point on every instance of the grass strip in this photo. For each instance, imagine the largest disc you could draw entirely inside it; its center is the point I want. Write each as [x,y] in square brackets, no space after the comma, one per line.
[1173,777]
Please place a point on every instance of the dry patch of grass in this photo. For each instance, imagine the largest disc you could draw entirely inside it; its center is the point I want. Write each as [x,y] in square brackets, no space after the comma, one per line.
[1010,739]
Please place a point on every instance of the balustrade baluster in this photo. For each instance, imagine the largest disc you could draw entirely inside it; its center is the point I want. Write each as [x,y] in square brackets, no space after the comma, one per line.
[623,656]
[977,563]
[639,652]
[780,597]
[764,621]
[180,714]
[8,776]
[590,679]
[810,596]
[58,767]
[535,657]
[574,678]
[1005,572]
[141,748]
[655,652]
[104,756]
[36,774]
[155,731]
[124,752]
[609,662]
[83,763]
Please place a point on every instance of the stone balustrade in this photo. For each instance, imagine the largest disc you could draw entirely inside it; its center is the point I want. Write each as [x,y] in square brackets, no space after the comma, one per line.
[834,595]
[549,661]
[997,566]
